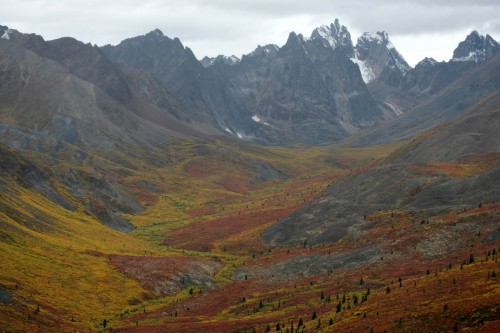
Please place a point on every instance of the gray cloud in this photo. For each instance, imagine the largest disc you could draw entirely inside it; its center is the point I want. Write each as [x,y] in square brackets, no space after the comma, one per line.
[210,27]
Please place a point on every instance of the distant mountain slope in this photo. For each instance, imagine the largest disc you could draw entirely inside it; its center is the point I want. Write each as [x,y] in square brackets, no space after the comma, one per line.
[479,83]
[403,90]
[452,165]
[203,97]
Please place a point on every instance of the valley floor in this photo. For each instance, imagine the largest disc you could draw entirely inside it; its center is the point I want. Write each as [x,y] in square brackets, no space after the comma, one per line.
[196,261]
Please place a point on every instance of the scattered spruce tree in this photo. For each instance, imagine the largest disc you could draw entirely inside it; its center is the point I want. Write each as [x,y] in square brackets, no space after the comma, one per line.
[330,322]
[314,315]
[387,290]
[445,307]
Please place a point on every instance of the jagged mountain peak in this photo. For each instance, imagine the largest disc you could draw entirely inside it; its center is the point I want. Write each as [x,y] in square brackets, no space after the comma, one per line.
[293,36]
[476,47]
[155,34]
[334,35]
[154,37]
[427,62]
[294,42]
[375,52]
[158,32]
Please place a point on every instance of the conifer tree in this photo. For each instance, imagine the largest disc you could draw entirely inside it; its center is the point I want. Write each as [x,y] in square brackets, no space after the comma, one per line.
[471,259]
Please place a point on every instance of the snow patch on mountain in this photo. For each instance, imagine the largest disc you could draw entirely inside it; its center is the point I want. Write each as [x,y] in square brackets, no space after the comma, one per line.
[6,34]
[366,71]
[326,34]
[476,56]
[257,119]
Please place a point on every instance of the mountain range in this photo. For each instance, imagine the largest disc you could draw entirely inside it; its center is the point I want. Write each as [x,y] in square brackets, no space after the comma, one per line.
[314,90]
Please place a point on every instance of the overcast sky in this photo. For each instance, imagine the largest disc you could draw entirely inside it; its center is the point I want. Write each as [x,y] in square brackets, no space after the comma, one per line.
[417,28]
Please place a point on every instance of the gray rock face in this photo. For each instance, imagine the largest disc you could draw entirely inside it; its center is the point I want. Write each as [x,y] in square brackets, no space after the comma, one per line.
[202,95]
[308,90]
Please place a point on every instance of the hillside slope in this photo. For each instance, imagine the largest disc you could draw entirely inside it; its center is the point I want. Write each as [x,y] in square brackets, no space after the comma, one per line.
[449,166]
